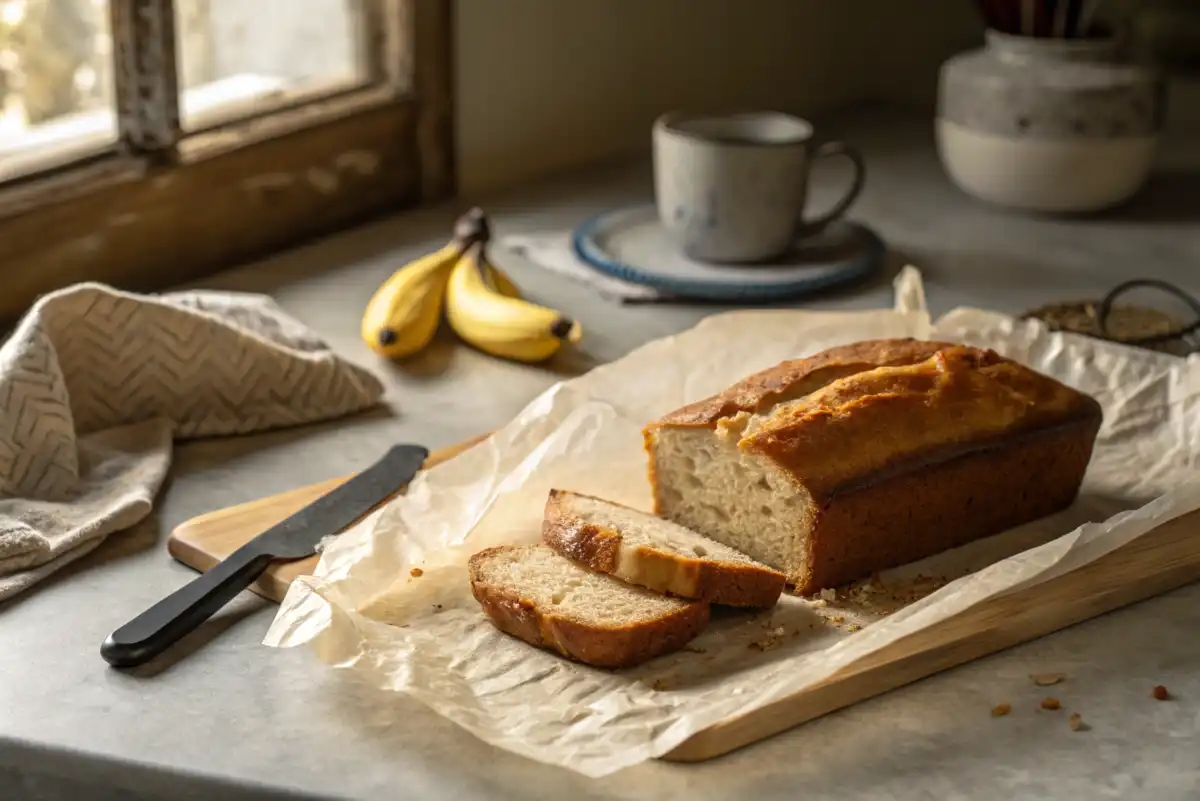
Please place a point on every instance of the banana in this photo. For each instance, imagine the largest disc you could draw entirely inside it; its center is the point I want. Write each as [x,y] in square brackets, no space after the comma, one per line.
[487,317]
[403,315]
[504,285]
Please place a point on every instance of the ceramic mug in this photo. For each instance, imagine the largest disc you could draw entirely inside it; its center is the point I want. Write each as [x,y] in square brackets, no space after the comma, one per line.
[731,188]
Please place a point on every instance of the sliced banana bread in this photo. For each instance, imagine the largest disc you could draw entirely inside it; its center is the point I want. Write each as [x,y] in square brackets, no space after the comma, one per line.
[652,552]
[550,601]
[872,455]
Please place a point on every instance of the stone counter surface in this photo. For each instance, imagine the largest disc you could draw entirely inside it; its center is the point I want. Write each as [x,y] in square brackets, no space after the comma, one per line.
[233,719]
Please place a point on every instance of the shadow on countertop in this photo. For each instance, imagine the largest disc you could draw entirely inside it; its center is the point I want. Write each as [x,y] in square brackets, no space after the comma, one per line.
[1169,196]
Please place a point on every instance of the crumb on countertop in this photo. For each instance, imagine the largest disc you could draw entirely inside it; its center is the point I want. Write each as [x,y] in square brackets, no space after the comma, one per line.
[1051,703]
[1160,693]
[1001,709]
[879,598]
[1076,722]
[416,572]
[1047,679]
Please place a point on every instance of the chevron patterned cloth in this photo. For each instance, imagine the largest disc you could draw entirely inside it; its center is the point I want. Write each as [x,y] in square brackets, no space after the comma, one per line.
[95,384]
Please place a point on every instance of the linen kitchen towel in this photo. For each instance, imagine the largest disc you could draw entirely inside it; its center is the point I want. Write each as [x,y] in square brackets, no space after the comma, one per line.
[96,383]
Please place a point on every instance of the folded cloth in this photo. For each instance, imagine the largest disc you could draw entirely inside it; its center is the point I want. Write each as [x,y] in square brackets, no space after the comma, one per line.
[554,252]
[95,384]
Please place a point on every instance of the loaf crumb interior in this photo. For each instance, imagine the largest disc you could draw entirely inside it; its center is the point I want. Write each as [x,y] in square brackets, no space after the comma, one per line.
[737,498]
[639,529]
[553,582]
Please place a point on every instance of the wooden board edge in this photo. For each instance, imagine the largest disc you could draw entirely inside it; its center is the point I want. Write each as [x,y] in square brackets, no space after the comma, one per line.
[1165,559]
[270,586]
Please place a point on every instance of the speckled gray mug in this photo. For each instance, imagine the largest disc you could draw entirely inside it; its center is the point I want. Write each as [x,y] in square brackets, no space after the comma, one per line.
[731,188]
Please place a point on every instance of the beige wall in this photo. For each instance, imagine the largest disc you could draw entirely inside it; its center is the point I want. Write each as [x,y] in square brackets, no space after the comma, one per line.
[543,84]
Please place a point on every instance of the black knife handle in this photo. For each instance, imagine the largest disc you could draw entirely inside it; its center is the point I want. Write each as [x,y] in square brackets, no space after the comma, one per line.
[165,623]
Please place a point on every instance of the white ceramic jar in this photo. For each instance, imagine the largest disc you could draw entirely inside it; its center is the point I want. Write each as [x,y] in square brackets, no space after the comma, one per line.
[1050,125]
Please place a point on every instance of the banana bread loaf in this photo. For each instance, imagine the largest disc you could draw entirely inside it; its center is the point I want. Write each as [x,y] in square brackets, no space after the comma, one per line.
[871,455]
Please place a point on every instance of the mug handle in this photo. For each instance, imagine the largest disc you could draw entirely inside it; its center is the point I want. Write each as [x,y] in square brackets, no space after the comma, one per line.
[827,150]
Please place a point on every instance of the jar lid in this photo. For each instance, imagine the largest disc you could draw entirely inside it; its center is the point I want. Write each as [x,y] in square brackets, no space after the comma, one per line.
[1140,326]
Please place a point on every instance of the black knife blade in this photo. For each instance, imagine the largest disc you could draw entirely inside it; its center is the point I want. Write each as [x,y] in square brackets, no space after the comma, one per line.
[160,626]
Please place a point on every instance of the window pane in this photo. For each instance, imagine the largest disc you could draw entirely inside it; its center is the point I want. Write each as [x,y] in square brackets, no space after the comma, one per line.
[56,83]
[237,56]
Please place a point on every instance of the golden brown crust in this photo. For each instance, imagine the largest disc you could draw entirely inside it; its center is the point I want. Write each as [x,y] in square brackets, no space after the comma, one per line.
[599,547]
[799,377]
[916,514]
[604,647]
[897,418]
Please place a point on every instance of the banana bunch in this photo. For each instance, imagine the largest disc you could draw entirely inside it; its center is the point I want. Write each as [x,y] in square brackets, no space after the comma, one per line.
[483,306]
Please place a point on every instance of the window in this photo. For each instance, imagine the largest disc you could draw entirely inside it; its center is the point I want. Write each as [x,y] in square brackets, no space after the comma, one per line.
[146,142]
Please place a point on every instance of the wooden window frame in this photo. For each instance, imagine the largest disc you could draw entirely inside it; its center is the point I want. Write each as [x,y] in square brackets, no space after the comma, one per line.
[165,206]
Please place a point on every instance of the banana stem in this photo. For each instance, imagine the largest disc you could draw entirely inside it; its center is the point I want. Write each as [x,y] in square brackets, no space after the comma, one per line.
[472,227]
[475,252]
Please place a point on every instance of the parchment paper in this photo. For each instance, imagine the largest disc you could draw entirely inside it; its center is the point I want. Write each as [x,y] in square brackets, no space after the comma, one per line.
[424,635]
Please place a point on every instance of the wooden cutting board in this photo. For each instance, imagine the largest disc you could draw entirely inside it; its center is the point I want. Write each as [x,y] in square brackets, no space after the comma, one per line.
[206,540]
[1162,560]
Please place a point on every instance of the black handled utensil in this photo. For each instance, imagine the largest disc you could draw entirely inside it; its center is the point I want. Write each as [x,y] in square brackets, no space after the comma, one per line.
[160,626]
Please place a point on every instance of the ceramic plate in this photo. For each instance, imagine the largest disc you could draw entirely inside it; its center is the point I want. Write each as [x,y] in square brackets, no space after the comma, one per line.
[631,245]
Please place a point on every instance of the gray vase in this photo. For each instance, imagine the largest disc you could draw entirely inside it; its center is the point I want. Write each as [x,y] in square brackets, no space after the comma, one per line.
[1059,125]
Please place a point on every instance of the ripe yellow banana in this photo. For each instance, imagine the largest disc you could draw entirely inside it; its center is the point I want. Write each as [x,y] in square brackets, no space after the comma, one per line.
[403,315]
[489,318]
[502,282]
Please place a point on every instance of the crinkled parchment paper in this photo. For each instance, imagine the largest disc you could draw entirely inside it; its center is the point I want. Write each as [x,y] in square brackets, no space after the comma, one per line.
[426,636]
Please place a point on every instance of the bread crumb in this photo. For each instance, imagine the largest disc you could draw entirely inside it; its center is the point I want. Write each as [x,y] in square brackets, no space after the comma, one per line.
[416,572]
[1046,679]
[770,641]
[1160,693]
[853,627]
[1076,722]
[828,595]
[838,619]
[1051,704]
[820,602]
[1002,709]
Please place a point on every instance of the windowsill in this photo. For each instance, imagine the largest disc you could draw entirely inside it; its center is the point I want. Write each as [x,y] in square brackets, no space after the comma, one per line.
[79,135]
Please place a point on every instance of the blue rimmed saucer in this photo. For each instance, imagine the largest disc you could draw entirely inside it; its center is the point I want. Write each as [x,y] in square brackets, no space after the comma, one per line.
[631,245]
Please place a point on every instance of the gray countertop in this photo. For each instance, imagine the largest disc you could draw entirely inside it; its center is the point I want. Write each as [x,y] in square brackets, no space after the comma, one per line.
[235,719]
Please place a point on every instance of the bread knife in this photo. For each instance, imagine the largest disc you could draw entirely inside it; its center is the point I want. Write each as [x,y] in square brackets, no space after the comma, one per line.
[165,623]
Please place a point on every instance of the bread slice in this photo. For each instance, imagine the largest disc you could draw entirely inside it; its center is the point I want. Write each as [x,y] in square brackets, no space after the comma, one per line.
[872,455]
[547,600]
[652,552]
